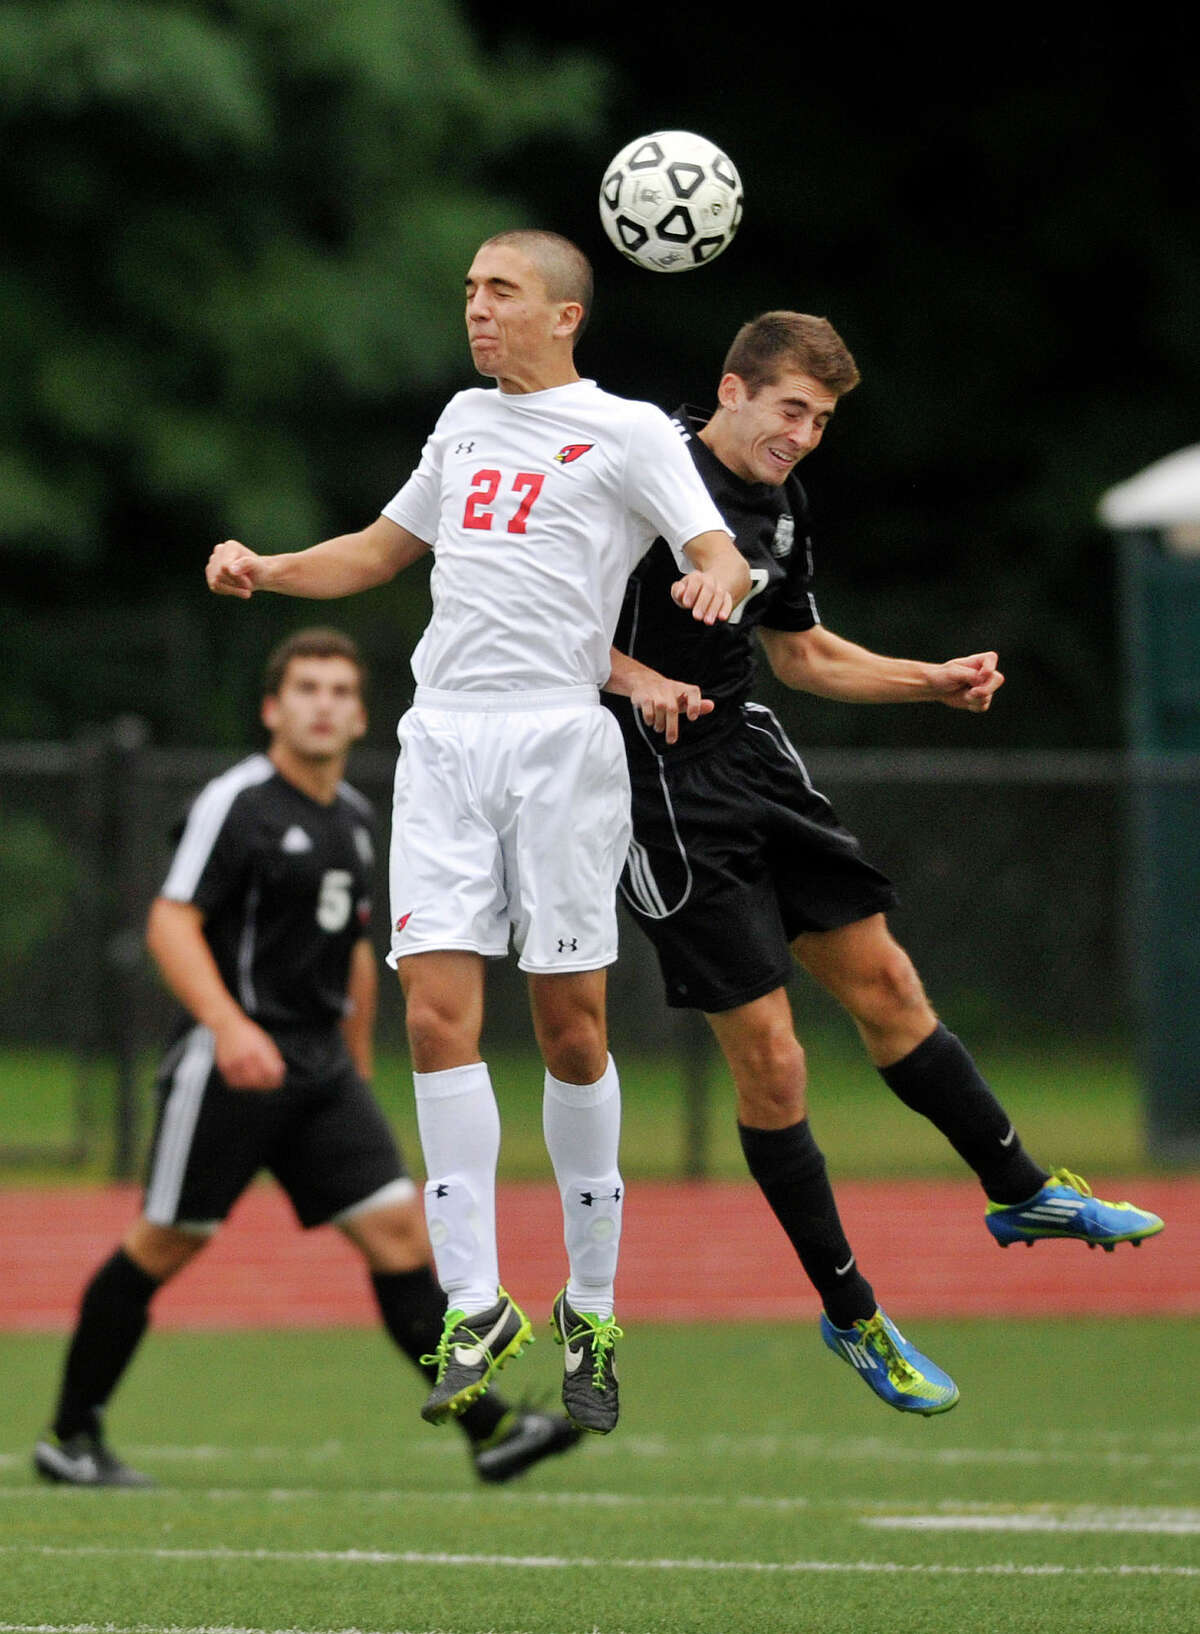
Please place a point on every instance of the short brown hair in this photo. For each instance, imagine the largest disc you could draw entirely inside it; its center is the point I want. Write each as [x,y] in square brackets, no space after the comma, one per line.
[774,341]
[312,643]
[565,270]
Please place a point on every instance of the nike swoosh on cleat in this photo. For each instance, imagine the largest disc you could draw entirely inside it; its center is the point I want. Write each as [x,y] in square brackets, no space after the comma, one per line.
[572,1359]
[473,1355]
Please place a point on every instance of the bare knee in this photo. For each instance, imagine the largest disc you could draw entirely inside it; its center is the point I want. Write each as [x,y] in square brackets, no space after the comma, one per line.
[443,1005]
[390,1238]
[574,1047]
[440,1035]
[569,1022]
[769,1073]
[888,1002]
[889,991]
[161,1251]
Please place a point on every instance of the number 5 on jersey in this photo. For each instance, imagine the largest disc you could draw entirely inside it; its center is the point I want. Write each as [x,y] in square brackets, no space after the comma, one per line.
[335,899]
[485,485]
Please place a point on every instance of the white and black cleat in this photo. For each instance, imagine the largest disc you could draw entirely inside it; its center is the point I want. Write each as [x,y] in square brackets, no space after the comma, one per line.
[83,1460]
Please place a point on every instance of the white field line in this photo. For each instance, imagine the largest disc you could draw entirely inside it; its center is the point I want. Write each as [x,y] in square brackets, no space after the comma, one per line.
[182,1628]
[415,1557]
[1159,1452]
[1085,1518]
[1160,1519]
[469,1498]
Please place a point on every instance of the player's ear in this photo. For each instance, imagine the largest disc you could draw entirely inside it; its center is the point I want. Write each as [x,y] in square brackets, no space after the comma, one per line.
[731,393]
[570,316]
[269,713]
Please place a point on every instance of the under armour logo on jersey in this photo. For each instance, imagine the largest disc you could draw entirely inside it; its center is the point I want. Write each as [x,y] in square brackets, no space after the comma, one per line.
[587,1198]
[572,451]
[403,920]
[441,1191]
[785,535]
[568,944]
[465,448]
[295,841]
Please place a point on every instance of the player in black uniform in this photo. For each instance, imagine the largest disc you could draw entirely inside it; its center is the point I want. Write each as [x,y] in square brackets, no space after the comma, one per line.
[738,864]
[260,931]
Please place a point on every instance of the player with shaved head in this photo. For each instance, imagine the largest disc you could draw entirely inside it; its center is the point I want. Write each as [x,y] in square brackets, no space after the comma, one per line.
[537,498]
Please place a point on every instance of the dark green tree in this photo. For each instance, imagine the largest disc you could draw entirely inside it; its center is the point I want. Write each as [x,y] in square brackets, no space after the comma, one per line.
[236,232]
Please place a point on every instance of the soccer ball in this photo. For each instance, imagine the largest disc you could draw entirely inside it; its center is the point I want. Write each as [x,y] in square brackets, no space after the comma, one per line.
[671,201]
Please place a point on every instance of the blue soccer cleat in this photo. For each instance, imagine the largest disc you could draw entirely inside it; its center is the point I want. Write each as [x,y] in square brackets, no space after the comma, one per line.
[1065,1207]
[895,1370]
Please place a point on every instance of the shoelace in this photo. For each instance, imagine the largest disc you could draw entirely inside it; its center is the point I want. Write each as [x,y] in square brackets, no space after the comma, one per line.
[1064,1177]
[602,1337]
[602,1342]
[899,1369]
[440,1358]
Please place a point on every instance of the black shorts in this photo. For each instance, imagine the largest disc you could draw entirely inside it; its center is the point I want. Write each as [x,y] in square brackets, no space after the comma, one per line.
[322,1135]
[734,854]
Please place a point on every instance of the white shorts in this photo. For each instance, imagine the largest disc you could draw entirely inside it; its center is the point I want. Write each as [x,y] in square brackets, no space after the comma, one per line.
[511,813]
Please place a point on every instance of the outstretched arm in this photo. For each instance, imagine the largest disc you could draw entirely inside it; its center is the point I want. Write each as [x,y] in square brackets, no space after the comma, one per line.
[659,701]
[336,567]
[820,662]
[721,578]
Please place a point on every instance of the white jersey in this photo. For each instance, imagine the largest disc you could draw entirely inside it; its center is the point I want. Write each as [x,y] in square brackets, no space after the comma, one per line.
[538,506]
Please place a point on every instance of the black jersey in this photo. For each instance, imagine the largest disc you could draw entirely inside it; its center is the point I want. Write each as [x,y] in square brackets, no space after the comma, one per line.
[771,529]
[284,886]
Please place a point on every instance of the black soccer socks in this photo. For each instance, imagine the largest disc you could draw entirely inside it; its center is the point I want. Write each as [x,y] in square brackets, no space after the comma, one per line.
[940,1080]
[113,1315]
[789,1167]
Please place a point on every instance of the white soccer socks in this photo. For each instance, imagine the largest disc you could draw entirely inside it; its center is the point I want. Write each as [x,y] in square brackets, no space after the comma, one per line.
[459,1124]
[582,1126]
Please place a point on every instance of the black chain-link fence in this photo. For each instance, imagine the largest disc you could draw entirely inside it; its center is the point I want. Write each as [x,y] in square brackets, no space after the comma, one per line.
[1011,867]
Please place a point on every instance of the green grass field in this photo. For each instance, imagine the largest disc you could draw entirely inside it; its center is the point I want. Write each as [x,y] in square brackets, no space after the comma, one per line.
[754,1487]
[1074,1102]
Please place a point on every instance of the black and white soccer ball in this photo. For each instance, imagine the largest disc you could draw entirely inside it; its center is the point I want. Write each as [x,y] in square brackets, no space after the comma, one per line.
[671,201]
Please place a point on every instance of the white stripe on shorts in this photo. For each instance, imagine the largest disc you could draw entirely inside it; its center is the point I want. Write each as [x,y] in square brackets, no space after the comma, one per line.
[177,1126]
[401,1190]
[640,888]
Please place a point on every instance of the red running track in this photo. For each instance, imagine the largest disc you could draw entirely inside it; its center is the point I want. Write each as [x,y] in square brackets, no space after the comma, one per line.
[704,1251]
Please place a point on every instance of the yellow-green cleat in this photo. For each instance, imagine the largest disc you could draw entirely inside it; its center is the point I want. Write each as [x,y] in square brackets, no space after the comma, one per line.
[471,1351]
[1065,1207]
[589,1390]
[887,1364]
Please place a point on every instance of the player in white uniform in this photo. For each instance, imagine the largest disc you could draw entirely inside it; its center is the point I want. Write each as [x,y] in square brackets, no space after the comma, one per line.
[512,797]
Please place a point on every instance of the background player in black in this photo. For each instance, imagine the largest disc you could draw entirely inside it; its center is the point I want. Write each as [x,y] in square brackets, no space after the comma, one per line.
[260,932]
[737,864]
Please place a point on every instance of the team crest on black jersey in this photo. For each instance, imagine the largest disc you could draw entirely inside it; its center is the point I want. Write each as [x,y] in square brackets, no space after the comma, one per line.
[572,451]
[785,537]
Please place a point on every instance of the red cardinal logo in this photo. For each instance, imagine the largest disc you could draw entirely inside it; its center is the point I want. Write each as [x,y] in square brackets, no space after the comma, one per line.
[572,451]
[403,920]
